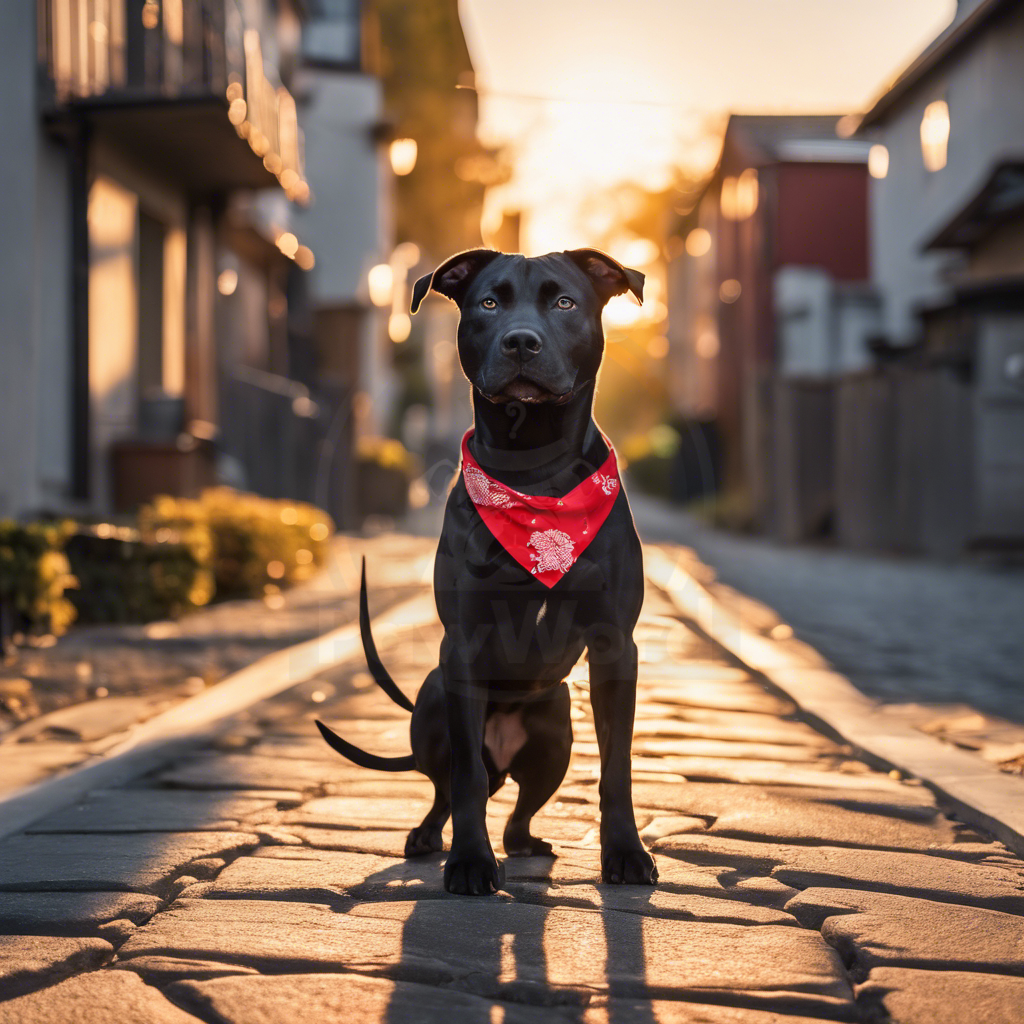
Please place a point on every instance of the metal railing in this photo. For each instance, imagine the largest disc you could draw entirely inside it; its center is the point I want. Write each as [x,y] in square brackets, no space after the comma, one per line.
[144,51]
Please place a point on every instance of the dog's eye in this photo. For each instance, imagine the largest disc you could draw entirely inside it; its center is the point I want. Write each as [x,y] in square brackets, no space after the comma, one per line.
[566,303]
[489,304]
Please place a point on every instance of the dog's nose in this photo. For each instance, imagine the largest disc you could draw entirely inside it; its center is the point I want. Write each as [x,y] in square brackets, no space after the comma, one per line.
[526,344]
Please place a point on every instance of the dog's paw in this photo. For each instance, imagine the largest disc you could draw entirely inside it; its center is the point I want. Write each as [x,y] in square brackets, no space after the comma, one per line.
[423,839]
[629,866]
[474,874]
[532,847]
[527,846]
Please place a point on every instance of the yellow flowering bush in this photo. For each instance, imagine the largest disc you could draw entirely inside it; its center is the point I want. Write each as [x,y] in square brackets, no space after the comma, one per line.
[34,575]
[126,575]
[388,453]
[250,543]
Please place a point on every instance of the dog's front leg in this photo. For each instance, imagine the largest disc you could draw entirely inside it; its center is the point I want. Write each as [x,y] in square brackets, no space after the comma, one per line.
[471,867]
[613,698]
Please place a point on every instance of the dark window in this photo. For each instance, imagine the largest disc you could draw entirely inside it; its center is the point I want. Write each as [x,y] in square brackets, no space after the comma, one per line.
[332,34]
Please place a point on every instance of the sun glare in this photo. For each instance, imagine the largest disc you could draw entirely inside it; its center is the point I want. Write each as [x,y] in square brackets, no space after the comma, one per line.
[642,93]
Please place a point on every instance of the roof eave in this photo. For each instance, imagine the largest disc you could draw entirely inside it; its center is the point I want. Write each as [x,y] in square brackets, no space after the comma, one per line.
[941,48]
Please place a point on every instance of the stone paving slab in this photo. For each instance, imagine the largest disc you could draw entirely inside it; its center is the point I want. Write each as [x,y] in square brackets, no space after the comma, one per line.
[944,878]
[243,771]
[399,812]
[391,842]
[270,1000]
[71,913]
[894,995]
[872,929]
[325,876]
[278,937]
[104,997]
[408,785]
[27,961]
[683,747]
[390,743]
[693,671]
[648,902]
[381,842]
[713,799]
[626,954]
[662,1011]
[25,763]
[760,773]
[782,820]
[155,810]
[715,694]
[140,862]
[756,813]
[742,802]
[734,726]
[584,865]
[89,720]
[164,970]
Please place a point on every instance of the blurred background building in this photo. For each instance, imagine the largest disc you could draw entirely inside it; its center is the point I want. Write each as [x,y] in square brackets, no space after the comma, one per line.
[845,310]
[198,192]
[214,211]
[152,139]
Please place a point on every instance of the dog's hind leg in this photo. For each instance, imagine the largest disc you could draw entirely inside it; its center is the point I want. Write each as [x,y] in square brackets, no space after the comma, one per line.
[539,768]
[426,837]
[429,736]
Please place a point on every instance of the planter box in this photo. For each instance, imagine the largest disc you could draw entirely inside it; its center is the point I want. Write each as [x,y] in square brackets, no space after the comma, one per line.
[381,491]
[144,469]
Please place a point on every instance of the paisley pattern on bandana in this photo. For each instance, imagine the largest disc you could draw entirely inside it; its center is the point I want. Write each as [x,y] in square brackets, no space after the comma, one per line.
[481,491]
[544,535]
[554,550]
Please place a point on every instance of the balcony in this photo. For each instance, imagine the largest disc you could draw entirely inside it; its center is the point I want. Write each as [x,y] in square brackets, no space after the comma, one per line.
[180,84]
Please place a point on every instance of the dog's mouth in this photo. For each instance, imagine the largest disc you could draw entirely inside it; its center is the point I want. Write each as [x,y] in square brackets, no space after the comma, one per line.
[519,389]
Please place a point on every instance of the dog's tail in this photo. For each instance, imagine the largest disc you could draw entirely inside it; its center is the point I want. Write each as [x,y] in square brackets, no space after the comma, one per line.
[362,758]
[373,662]
[386,683]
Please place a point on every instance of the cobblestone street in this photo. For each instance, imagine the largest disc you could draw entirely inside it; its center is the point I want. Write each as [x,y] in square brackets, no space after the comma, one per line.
[261,877]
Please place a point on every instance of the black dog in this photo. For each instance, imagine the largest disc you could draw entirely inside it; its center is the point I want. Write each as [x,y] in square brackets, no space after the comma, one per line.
[530,341]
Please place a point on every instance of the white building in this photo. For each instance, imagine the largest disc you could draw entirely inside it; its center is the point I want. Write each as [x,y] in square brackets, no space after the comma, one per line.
[170,314]
[128,131]
[947,235]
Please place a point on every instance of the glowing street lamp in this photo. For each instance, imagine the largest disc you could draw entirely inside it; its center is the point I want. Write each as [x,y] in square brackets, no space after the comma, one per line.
[399,327]
[698,242]
[403,156]
[381,281]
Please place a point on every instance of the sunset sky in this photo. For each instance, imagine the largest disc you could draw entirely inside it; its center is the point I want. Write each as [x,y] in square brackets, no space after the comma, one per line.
[592,92]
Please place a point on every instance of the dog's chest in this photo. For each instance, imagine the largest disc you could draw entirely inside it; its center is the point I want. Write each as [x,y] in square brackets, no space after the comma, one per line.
[504,736]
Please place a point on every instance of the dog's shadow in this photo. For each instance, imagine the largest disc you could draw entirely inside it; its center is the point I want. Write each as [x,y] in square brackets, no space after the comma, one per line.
[517,947]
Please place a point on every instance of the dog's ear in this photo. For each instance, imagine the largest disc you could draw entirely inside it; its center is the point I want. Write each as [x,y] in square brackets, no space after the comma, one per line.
[608,276]
[453,277]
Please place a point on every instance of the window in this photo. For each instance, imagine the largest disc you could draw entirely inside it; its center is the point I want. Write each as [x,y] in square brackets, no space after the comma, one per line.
[935,135]
[332,36]
[878,161]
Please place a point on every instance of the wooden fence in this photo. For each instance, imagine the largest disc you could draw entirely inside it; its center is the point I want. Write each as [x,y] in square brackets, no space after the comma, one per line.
[880,461]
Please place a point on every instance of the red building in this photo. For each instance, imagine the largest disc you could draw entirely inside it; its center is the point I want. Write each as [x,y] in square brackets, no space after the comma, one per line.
[769,284]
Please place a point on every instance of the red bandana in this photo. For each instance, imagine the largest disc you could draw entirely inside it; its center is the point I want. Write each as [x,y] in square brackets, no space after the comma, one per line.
[544,535]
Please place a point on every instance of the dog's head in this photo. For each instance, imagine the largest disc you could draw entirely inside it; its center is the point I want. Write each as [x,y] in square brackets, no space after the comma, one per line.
[530,327]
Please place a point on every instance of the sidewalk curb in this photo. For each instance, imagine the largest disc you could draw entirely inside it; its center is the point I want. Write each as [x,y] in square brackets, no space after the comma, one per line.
[980,796]
[166,736]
